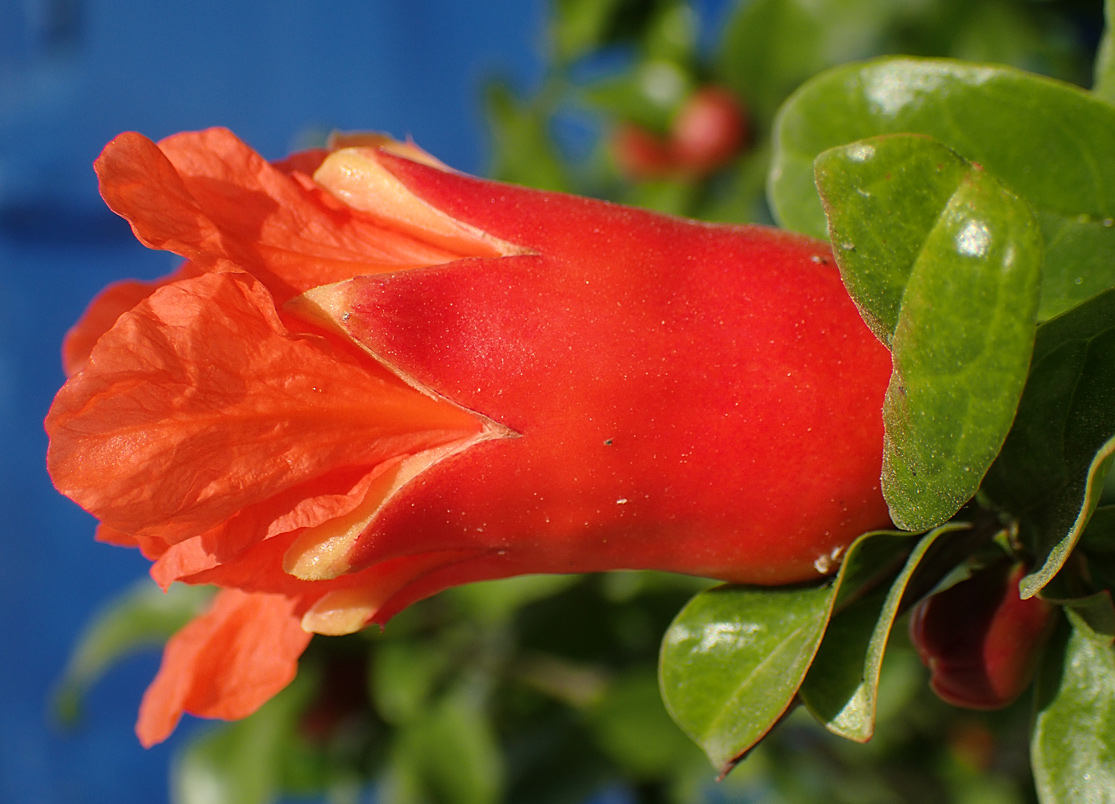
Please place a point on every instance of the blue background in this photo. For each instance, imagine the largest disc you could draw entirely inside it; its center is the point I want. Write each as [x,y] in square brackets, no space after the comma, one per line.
[73,74]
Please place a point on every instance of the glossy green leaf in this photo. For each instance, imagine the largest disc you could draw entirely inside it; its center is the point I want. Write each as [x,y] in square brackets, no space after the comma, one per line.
[1052,467]
[842,685]
[1072,748]
[734,658]
[1104,82]
[882,197]
[141,618]
[1048,141]
[945,264]
[241,763]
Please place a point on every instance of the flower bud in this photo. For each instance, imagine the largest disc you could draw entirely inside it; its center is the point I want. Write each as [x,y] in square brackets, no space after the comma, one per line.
[980,640]
[709,130]
[376,378]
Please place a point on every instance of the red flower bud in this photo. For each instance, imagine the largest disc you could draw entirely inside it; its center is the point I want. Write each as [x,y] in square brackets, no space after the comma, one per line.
[385,378]
[710,129]
[641,154]
[980,640]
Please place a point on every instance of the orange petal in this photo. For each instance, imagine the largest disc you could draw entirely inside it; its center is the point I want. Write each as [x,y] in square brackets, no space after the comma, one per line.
[98,318]
[199,403]
[344,608]
[207,196]
[356,176]
[304,507]
[225,663]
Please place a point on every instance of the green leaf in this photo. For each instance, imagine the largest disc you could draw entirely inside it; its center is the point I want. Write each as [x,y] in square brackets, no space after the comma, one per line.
[451,753]
[1104,79]
[497,601]
[404,675]
[843,681]
[141,618]
[579,26]
[945,264]
[1072,748]
[734,658]
[522,149]
[648,95]
[770,47]
[882,197]
[633,729]
[241,763]
[1051,469]
[1097,612]
[1049,141]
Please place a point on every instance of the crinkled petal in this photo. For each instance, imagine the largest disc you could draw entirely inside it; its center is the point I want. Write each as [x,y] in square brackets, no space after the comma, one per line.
[199,403]
[224,664]
[208,197]
[104,311]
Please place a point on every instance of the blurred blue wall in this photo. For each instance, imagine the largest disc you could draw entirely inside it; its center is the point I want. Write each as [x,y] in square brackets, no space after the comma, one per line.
[73,74]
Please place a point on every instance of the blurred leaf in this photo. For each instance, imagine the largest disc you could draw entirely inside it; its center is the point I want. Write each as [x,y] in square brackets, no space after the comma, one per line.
[579,26]
[740,196]
[1104,80]
[1073,741]
[647,95]
[671,34]
[770,47]
[404,674]
[632,727]
[1099,537]
[141,618]
[1048,141]
[734,658]
[1052,466]
[842,685]
[665,196]
[1097,612]
[242,762]
[522,149]
[450,755]
[945,264]
[497,601]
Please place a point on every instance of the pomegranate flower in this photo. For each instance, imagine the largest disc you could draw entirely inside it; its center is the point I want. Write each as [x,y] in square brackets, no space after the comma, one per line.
[375,378]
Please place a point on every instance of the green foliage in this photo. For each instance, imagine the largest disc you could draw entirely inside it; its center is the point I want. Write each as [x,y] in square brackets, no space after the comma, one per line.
[1051,469]
[733,660]
[1104,78]
[841,689]
[1073,748]
[1047,141]
[953,290]
[241,763]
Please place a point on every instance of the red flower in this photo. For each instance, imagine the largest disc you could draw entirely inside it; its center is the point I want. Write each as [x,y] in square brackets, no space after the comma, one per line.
[375,378]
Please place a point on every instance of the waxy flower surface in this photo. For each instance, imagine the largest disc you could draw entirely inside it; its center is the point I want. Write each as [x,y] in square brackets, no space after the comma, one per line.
[374,378]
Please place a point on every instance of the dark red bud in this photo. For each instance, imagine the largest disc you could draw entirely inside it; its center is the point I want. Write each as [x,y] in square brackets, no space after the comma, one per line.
[980,640]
